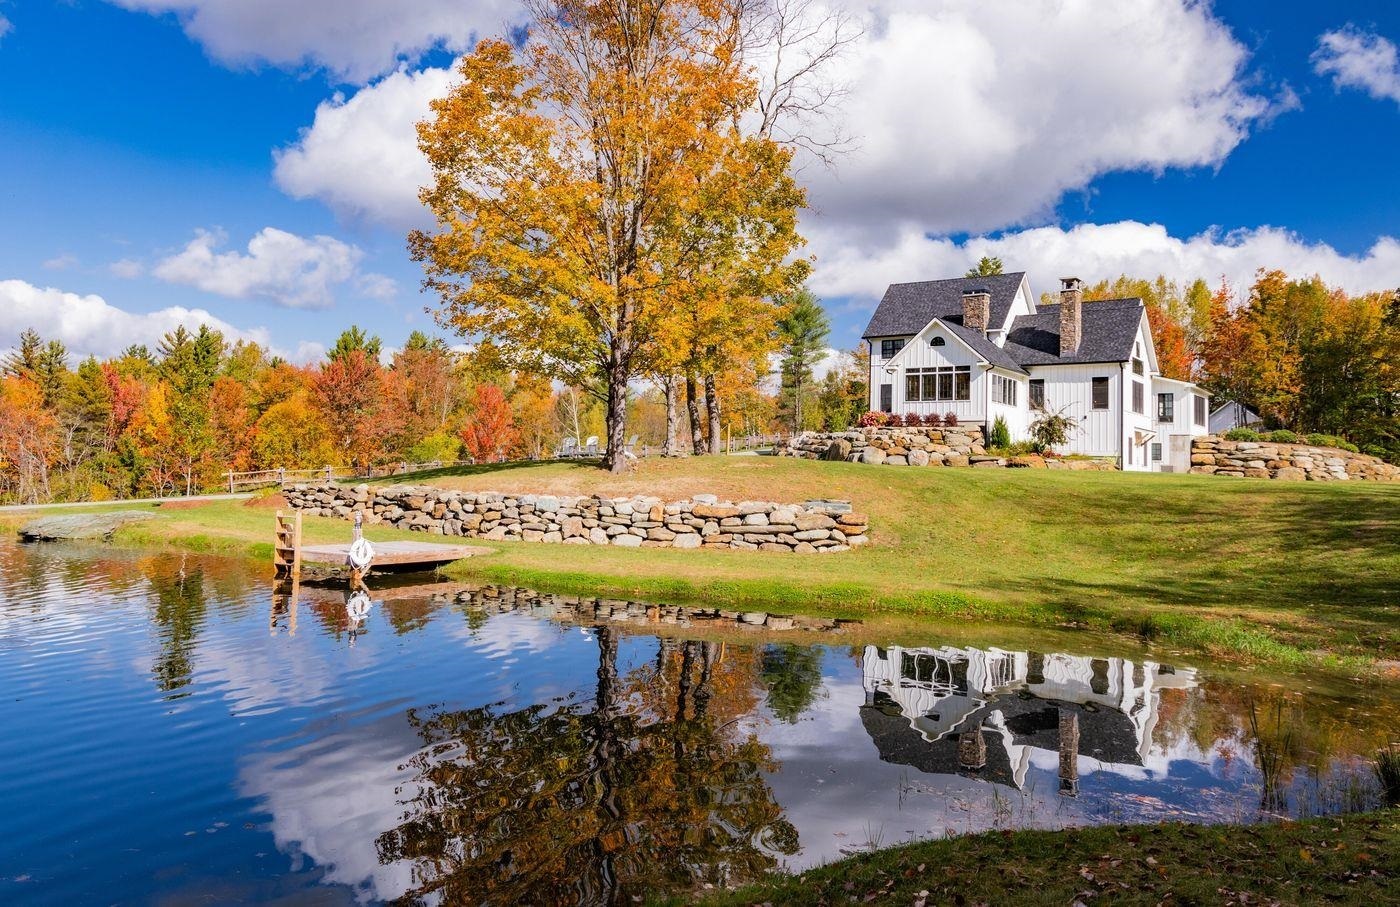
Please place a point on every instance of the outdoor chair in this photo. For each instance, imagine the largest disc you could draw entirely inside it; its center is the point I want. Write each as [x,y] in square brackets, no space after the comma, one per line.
[590,447]
[568,449]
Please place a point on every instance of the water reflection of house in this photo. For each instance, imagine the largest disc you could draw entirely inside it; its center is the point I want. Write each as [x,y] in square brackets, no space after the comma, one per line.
[982,713]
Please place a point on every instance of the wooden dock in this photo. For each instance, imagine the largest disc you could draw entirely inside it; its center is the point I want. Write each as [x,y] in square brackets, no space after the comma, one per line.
[401,555]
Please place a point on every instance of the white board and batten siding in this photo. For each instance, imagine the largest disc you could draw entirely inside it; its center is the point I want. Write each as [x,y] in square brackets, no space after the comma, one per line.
[1175,433]
[1070,388]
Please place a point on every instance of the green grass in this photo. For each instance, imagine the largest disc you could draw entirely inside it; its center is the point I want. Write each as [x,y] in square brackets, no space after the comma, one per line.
[1277,572]
[1348,859]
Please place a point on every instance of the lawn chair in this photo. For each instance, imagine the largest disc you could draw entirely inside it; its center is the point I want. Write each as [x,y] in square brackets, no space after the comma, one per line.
[590,447]
[568,449]
[630,450]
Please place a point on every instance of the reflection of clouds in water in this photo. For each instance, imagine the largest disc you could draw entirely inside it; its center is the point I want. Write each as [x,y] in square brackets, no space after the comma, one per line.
[330,799]
[262,677]
[508,636]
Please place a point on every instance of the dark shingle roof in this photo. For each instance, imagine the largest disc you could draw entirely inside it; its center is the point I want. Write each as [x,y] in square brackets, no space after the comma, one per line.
[908,307]
[1107,335]
[981,345]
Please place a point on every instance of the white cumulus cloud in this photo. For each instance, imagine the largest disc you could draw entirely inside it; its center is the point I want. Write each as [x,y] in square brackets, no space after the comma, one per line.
[1359,59]
[360,155]
[353,39]
[5,26]
[291,270]
[1104,251]
[91,325]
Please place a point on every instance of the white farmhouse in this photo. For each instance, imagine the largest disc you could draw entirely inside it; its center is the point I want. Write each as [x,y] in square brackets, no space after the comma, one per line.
[982,347]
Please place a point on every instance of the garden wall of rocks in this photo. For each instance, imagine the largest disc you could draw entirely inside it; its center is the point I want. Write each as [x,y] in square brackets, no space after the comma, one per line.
[640,522]
[1267,460]
[962,445]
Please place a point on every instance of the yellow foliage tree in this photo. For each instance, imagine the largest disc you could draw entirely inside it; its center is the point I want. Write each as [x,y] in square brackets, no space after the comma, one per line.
[589,186]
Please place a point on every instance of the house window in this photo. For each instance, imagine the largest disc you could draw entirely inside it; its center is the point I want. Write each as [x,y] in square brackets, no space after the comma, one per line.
[1037,393]
[937,341]
[1137,366]
[1100,395]
[887,398]
[889,348]
[946,382]
[1200,409]
[1166,407]
[1138,395]
[1156,451]
[1003,390]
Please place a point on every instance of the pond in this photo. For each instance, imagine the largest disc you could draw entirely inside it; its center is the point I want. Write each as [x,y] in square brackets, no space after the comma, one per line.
[175,729]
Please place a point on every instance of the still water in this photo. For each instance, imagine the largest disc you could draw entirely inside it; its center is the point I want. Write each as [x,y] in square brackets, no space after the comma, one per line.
[173,730]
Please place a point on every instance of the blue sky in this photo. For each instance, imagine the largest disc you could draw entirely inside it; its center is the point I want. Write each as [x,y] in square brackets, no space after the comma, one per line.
[144,144]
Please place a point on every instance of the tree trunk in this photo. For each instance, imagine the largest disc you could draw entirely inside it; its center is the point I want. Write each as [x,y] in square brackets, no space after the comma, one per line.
[692,402]
[672,384]
[712,404]
[616,420]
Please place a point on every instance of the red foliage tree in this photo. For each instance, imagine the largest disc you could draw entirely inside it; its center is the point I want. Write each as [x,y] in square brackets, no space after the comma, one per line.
[491,425]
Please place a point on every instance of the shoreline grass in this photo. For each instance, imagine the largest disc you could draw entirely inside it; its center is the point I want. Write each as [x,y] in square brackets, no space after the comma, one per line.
[1289,574]
[1349,859]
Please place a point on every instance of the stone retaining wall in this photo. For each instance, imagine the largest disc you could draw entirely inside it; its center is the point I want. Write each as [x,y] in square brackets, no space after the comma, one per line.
[640,522]
[1266,460]
[962,445]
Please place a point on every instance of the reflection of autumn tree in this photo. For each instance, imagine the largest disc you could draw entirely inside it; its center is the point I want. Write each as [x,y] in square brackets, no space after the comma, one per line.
[648,788]
[178,610]
[793,676]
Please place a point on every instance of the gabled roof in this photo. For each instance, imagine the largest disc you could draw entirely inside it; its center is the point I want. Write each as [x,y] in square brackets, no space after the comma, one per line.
[1109,329]
[908,307]
[980,344]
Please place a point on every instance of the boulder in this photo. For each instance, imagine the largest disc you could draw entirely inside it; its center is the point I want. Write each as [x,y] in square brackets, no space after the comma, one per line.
[872,456]
[80,525]
[837,451]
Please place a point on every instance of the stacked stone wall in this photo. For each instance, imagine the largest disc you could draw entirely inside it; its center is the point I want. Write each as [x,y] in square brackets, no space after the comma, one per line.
[962,445]
[639,522]
[1211,455]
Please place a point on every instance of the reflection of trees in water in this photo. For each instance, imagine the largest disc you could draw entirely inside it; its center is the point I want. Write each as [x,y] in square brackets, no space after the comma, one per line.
[793,676]
[649,788]
[178,610]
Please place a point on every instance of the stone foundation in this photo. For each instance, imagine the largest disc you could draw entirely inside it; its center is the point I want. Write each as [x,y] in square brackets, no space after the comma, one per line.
[1211,455]
[641,522]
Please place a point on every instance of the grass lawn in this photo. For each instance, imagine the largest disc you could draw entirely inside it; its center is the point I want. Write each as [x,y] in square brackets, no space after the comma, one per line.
[1346,859]
[1289,573]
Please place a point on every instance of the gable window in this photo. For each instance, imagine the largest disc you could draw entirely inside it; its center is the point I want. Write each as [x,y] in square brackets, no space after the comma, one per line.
[1166,408]
[887,398]
[1100,393]
[1137,366]
[945,382]
[890,348]
[1138,394]
[937,341]
[1003,390]
[1200,413]
[1036,393]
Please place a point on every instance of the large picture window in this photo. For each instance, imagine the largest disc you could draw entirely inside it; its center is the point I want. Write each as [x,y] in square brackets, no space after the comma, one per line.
[890,348]
[1003,390]
[1100,393]
[1166,407]
[945,382]
[1035,390]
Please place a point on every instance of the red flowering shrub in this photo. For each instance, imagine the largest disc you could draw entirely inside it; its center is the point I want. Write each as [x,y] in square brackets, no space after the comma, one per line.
[950,419]
[872,420]
[933,420]
[895,421]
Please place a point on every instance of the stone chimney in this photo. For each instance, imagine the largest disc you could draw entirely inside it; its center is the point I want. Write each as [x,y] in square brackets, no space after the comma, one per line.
[1071,314]
[977,309]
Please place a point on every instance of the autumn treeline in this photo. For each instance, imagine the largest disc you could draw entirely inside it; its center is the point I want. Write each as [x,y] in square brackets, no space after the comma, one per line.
[1307,357]
[173,420]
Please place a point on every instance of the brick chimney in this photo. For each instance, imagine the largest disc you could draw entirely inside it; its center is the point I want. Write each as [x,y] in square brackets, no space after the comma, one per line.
[1071,314]
[977,309]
